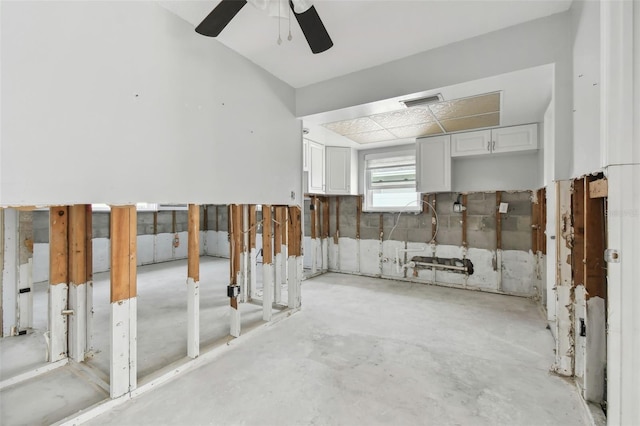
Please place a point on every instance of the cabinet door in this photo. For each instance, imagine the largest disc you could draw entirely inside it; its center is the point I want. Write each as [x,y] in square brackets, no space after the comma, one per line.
[515,138]
[471,143]
[338,170]
[433,164]
[316,168]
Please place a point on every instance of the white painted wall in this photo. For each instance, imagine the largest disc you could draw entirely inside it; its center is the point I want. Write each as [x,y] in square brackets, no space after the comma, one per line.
[93,91]
[540,42]
[585,19]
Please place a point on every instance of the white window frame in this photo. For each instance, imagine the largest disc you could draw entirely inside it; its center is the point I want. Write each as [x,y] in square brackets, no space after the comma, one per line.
[368,190]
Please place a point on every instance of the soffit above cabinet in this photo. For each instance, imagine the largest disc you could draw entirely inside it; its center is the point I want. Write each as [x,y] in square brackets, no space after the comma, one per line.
[456,115]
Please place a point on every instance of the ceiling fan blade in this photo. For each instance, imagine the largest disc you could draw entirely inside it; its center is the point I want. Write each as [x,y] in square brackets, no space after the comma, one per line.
[313,29]
[219,17]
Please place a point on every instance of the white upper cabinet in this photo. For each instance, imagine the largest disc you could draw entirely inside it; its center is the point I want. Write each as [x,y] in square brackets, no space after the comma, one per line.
[305,155]
[315,164]
[471,143]
[515,138]
[433,164]
[495,141]
[341,170]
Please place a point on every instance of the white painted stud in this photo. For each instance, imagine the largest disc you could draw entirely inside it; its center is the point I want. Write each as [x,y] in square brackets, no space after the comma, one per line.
[25,300]
[267,291]
[57,322]
[123,371]
[253,266]
[78,321]
[277,282]
[193,318]
[9,271]
[235,322]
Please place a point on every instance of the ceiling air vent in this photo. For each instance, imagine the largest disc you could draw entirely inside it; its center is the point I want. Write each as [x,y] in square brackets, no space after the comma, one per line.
[422,101]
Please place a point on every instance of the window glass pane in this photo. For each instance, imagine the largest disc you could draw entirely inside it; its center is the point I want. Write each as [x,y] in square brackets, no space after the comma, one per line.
[402,175]
[398,197]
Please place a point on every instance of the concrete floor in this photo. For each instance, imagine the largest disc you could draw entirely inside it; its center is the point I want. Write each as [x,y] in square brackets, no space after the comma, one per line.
[368,351]
[162,339]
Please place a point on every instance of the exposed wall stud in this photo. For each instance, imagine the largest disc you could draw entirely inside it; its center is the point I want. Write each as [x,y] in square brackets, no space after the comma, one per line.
[267,263]
[193,281]
[58,281]
[123,371]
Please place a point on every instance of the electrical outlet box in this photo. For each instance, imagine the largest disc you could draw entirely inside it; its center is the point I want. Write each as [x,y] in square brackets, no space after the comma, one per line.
[504,207]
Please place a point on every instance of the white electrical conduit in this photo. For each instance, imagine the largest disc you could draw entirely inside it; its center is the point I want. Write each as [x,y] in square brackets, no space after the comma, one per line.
[433,238]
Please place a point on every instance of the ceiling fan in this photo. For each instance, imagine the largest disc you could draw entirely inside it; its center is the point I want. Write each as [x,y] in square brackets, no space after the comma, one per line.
[305,13]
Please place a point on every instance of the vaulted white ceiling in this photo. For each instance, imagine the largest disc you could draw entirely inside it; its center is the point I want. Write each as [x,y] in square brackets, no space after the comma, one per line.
[365,33]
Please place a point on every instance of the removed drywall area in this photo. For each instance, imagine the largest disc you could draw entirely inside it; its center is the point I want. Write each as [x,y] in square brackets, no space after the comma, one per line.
[468,248]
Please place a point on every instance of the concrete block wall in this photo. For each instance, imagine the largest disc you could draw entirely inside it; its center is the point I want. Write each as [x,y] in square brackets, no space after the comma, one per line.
[513,270]
[159,240]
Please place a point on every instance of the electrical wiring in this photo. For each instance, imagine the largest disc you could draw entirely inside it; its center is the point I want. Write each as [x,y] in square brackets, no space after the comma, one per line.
[435,215]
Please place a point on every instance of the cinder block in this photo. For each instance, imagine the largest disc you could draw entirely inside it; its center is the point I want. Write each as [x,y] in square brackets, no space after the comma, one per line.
[100,224]
[486,206]
[306,211]
[145,223]
[444,203]
[516,240]
[476,196]
[369,233]
[516,196]
[211,217]
[485,239]
[182,221]
[419,235]
[165,222]
[41,226]
[223,218]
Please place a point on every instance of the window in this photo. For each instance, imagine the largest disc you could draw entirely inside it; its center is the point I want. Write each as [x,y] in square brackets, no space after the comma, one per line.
[390,182]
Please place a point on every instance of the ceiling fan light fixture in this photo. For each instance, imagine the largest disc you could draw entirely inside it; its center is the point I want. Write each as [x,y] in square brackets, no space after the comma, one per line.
[433,99]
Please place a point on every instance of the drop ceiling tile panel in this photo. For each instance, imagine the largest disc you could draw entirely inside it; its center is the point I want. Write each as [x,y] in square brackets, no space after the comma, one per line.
[350,127]
[466,107]
[469,123]
[416,131]
[404,117]
[370,137]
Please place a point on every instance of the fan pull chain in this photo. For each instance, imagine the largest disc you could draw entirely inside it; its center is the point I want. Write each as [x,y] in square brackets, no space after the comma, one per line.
[279,19]
[290,37]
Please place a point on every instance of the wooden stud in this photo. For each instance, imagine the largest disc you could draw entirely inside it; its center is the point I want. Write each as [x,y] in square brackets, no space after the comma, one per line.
[336,236]
[464,221]
[498,221]
[205,218]
[252,226]
[58,245]
[235,240]
[542,220]
[285,225]
[277,230]
[325,218]
[193,243]
[599,188]
[77,244]
[174,222]
[88,233]
[155,223]
[358,215]
[577,249]
[295,247]
[434,226]
[313,218]
[123,253]
[381,227]
[595,268]
[535,224]
[267,235]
